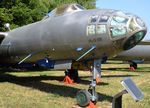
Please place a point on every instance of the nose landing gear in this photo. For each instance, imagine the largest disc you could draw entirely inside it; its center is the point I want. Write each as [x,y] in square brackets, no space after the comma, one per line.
[84,97]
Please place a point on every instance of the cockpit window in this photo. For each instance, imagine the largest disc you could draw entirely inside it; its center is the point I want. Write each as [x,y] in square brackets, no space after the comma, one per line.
[118,31]
[91,30]
[118,26]
[116,20]
[133,25]
[80,7]
[101,29]
[104,18]
[93,19]
[73,7]
[140,22]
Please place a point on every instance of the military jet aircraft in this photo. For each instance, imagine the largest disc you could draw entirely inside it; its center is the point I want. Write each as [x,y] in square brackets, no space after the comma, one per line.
[69,34]
[138,54]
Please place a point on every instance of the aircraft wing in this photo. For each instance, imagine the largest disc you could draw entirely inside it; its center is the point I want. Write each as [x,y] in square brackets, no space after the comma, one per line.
[146,42]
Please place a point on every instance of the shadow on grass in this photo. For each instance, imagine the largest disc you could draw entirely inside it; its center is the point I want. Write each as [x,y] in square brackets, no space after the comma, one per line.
[102,97]
[143,69]
[117,69]
[35,83]
[116,76]
[87,82]
[5,70]
[139,69]
[106,76]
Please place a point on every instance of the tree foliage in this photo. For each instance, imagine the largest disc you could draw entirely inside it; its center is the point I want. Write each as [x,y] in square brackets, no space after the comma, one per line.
[22,12]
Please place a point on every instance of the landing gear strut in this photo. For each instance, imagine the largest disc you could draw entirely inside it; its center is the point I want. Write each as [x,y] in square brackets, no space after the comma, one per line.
[85,96]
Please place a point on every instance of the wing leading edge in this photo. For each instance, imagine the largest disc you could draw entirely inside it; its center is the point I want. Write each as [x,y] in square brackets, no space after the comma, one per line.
[147,42]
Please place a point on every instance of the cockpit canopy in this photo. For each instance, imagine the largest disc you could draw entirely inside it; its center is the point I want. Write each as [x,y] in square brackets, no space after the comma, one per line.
[64,9]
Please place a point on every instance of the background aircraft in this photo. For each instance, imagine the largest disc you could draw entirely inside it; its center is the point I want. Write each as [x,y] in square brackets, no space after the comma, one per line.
[69,34]
[138,54]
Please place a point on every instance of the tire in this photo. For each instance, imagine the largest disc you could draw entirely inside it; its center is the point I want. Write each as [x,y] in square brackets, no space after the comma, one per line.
[83,98]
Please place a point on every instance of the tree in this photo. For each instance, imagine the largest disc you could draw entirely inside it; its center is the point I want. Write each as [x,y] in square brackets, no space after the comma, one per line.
[5,17]
[22,12]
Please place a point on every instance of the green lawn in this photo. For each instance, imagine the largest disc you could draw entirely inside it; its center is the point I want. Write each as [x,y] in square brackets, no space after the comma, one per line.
[44,89]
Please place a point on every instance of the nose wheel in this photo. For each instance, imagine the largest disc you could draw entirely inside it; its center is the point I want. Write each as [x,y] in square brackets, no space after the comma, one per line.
[84,97]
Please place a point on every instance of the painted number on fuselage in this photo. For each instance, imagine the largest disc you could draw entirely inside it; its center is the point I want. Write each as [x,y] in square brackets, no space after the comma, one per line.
[94,40]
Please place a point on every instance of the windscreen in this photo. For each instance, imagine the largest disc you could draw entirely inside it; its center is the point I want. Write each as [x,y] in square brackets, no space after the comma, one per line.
[118,26]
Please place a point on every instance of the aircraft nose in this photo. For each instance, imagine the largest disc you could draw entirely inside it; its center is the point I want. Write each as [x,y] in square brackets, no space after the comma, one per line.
[137,31]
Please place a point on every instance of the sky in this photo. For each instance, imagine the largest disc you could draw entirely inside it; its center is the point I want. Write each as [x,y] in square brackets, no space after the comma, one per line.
[140,8]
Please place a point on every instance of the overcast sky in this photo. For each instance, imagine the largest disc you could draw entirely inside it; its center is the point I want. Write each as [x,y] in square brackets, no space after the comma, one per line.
[138,7]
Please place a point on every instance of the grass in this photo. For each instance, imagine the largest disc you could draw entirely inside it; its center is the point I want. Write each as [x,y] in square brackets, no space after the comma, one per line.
[44,89]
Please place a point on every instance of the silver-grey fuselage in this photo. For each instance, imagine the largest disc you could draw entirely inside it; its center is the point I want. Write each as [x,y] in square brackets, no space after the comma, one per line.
[60,37]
